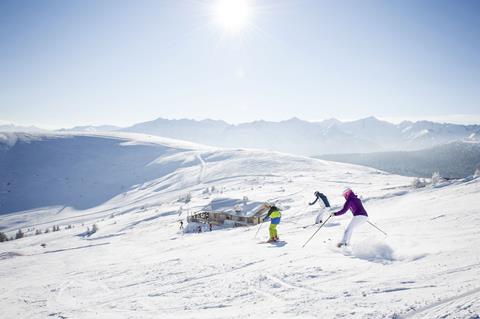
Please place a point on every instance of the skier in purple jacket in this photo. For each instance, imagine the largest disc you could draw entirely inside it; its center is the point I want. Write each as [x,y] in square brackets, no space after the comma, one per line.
[360,215]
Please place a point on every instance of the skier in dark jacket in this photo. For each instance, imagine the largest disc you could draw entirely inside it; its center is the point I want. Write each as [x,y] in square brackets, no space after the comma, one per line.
[360,216]
[324,206]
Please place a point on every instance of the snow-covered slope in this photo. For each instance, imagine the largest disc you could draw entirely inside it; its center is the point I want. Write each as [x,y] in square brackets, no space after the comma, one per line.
[139,265]
[80,170]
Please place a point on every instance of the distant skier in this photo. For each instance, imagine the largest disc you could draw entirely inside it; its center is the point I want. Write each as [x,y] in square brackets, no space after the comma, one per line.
[274,215]
[326,204]
[181,225]
[210,226]
[360,215]
[199,229]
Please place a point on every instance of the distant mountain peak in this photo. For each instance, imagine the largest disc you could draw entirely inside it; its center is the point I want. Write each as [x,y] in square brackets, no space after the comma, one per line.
[373,119]
[294,119]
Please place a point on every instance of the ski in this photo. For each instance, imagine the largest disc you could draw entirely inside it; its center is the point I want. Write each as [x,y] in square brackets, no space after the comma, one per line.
[277,243]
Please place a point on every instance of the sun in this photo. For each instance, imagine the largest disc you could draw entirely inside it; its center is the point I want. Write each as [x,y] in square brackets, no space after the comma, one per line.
[232,15]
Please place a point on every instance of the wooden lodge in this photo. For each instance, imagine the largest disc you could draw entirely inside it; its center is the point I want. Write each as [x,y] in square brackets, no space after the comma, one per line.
[231,212]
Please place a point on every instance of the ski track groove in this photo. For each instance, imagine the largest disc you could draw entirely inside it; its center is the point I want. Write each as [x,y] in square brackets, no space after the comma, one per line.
[443,302]
[188,282]
[203,166]
[293,286]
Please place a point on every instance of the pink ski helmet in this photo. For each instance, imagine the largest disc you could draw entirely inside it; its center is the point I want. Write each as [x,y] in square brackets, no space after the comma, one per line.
[346,192]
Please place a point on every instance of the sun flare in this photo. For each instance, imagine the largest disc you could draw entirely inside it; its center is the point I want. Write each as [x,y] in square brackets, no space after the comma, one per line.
[232,15]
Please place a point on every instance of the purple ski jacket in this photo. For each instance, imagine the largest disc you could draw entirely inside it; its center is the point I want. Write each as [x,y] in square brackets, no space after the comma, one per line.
[354,204]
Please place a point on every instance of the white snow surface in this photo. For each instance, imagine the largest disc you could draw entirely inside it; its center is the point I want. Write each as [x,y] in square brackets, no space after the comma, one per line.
[139,265]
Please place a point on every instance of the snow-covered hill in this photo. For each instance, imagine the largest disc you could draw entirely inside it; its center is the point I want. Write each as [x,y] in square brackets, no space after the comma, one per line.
[80,170]
[139,265]
[312,138]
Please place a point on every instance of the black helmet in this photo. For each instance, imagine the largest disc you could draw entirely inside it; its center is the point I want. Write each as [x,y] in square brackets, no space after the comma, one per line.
[272,209]
[317,194]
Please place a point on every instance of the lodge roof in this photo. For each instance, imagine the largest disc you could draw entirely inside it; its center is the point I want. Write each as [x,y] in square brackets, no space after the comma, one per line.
[235,207]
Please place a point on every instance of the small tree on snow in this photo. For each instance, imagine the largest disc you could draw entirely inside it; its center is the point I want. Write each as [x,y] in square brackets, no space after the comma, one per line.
[3,237]
[19,234]
[185,198]
[477,173]
[436,178]
[38,232]
[418,182]
[94,229]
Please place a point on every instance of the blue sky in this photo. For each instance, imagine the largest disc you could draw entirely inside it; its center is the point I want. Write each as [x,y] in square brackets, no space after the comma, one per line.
[65,63]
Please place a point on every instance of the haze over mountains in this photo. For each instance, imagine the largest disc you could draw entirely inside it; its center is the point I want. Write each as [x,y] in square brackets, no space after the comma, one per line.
[307,138]
[300,137]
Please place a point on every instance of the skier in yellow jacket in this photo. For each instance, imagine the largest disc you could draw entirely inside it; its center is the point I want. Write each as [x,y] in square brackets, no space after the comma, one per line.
[274,215]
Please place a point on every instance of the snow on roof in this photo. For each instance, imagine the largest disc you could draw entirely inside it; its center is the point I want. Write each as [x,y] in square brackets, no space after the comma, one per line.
[237,207]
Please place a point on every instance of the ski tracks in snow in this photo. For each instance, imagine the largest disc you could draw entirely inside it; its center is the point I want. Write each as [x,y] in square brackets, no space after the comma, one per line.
[458,306]
[203,166]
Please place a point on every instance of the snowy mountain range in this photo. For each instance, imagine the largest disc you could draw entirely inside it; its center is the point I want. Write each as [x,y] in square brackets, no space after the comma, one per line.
[313,138]
[297,136]
[139,264]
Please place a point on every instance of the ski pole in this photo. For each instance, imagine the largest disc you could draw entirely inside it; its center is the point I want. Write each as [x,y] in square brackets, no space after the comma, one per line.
[377,227]
[259,226]
[317,231]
